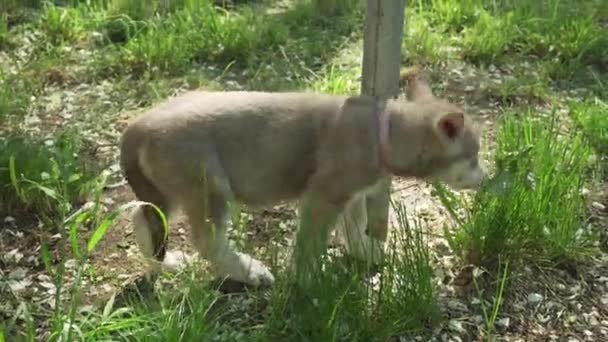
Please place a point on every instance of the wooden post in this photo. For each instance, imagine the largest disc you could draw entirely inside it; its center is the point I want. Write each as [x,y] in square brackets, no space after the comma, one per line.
[381,66]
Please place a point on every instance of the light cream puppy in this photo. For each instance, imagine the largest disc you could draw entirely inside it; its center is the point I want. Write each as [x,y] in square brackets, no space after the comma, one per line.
[202,150]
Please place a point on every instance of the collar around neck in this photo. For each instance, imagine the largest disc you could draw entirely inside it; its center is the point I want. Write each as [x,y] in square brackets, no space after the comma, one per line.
[383,121]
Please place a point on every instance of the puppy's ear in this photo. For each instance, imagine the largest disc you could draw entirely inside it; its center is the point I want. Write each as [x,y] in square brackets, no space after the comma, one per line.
[450,126]
[404,76]
[417,88]
[406,72]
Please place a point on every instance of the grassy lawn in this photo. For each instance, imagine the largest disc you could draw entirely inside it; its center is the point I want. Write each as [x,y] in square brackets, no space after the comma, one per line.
[524,258]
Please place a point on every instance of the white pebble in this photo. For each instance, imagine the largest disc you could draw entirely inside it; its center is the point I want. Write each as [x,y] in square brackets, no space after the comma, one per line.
[535,298]
[504,322]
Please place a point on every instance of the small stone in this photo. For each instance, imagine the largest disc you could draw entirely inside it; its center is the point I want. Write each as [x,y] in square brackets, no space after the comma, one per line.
[71,263]
[115,168]
[535,298]
[504,322]
[123,244]
[47,285]
[13,255]
[457,305]
[456,325]
[575,289]
[598,206]
[17,274]
[18,285]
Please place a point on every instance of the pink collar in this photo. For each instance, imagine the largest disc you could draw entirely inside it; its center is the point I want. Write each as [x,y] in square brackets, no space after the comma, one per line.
[383,119]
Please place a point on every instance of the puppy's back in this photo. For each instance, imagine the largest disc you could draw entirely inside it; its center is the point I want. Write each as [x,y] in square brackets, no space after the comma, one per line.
[266,143]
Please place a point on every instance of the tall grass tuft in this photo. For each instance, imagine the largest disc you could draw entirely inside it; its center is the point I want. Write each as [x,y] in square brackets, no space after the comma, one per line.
[532,209]
[38,175]
[346,302]
[590,117]
[15,93]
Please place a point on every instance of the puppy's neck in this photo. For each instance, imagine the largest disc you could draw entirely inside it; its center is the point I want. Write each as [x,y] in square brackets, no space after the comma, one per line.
[392,121]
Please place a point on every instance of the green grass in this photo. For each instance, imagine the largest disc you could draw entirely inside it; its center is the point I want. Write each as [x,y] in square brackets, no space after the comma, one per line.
[4,36]
[15,94]
[531,212]
[341,304]
[39,175]
[570,42]
[591,117]
[493,30]
[152,39]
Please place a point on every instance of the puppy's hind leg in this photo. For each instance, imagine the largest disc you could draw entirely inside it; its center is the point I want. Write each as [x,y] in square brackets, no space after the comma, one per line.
[148,225]
[149,232]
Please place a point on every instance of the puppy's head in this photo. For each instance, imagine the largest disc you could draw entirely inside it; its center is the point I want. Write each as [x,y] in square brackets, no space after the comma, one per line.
[448,138]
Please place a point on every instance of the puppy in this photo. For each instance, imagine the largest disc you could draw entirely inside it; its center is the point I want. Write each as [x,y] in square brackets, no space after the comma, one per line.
[202,151]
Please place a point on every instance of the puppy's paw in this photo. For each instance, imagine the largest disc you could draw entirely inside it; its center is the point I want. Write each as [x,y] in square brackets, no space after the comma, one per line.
[368,250]
[259,275]
[250,271]
[176,261]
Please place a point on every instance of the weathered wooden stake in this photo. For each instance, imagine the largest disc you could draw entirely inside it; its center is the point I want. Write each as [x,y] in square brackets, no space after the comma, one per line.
[381,65]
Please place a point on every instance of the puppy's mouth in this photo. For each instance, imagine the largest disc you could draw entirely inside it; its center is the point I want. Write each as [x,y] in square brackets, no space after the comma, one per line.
[462,186]
[471,183]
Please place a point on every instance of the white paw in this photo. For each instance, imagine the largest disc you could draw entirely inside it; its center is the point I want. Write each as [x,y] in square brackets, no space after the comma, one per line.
[176,261]
[258,274]
[366,249]
[242,267]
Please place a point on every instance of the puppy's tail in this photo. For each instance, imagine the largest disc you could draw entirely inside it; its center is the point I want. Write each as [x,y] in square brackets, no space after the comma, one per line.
[149,226]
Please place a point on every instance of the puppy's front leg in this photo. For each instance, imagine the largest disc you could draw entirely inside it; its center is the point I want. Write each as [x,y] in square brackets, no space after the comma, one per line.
[209,237]
[207,210]
[353,231]
[317,216]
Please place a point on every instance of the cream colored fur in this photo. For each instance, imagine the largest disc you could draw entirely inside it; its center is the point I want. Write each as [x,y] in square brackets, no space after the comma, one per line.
[202,150]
